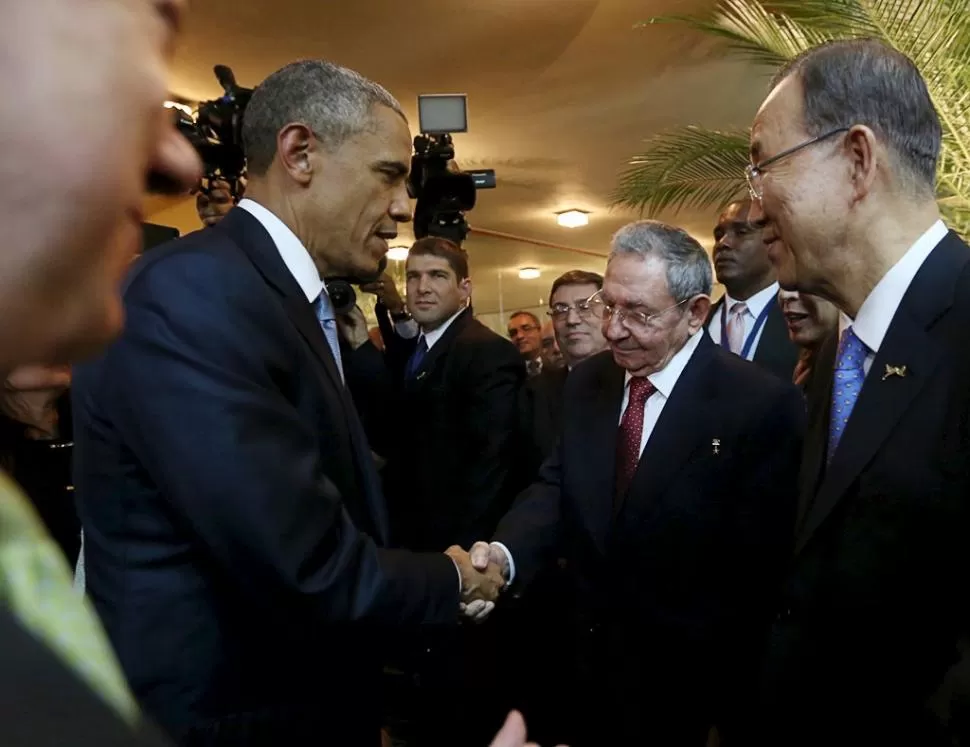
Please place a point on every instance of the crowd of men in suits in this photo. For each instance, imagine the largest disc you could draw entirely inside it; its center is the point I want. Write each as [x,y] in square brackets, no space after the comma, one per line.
[743,560]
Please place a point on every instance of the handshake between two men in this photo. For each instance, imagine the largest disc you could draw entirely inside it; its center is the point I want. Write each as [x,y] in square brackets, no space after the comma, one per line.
[485,571]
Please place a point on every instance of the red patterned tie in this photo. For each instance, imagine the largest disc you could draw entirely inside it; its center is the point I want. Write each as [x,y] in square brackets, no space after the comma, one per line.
[629,435]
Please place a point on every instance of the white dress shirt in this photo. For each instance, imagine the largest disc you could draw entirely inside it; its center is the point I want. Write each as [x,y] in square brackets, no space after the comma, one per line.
[664,381]
[877,311]
[756,304]
[294,255]
[436,334]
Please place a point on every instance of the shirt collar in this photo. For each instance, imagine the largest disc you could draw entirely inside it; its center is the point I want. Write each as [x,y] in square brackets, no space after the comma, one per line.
[291,250]
[666,378]
[430,338]
[756,304]
[877,311]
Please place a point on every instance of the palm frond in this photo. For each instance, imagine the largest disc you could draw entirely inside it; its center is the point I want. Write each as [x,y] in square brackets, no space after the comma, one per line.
[935,34]
[749,29]
[689,167]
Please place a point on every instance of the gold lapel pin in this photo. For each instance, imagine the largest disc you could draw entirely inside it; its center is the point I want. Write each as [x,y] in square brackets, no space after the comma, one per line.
[716,445]
[899,371]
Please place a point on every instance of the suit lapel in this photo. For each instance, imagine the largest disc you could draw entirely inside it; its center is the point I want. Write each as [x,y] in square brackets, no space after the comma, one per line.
[674,437]
[599,412]
[816,439]
[248,233]
[883,399]
[439,348]
[254,240]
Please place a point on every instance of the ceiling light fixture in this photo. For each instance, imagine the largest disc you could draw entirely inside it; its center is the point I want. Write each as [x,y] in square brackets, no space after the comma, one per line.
[529,273]
[397,253]
[572,218]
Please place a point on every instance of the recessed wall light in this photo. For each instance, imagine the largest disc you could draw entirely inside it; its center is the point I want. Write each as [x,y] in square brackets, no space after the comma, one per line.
[529,273]
[397,253]
[572,218]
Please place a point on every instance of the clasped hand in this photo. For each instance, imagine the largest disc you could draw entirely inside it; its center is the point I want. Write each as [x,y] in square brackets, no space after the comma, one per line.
[484,573]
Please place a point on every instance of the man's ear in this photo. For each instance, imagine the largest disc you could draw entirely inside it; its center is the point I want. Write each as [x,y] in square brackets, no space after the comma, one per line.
[698,309]
[863,151]
[465,288]
[295,145]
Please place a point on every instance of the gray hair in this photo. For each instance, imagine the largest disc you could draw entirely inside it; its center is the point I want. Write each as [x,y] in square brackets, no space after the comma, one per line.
[334,101]
[863,81]
[689,270]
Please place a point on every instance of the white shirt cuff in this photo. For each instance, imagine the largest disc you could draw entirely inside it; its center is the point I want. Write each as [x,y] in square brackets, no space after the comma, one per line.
[407,330]
[508,557]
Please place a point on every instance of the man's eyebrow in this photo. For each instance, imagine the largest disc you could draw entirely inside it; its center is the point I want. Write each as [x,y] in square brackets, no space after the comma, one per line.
[399,168]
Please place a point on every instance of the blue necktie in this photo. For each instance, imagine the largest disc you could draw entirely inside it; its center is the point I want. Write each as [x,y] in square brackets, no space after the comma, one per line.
[414,362]
[328,322]
[849,375]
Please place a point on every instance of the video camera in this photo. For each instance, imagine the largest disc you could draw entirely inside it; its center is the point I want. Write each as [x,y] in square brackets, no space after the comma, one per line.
[443,191]
[216,132]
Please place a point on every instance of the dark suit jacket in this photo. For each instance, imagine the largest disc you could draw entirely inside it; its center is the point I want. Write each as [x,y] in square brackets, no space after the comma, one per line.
[44,704]
[675,587]
[874,603]
[449,475]
[233,516]
[775,352]
[540,413]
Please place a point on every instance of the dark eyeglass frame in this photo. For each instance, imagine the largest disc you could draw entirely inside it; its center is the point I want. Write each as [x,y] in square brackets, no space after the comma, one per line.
[755,171]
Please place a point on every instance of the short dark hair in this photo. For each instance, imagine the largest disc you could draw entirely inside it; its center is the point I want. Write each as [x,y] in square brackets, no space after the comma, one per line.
[529,314]
[576,277]
[334,101]
[864,81]
[434,246]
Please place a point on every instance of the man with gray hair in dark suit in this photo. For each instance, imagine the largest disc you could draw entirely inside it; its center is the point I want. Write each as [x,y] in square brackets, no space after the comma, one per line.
[671,494]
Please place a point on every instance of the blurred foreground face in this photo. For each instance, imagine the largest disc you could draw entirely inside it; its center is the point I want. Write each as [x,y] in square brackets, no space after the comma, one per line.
[809,318]
[89,79]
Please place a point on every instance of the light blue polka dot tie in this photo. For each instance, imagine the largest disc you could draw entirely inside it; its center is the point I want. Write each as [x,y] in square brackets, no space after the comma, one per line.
[328,322]
[849,375]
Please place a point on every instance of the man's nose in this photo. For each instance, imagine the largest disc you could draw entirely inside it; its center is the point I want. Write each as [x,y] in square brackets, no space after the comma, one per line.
[400,209]
[175,166]
[613,328]
[572,316]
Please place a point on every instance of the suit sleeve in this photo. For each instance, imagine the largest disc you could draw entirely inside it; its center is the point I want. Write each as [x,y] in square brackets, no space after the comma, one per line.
[764,525]
[530,531]
[492,434]
[195,389]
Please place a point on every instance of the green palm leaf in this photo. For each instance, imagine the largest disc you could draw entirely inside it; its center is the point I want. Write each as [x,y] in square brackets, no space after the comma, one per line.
[690,167]
[934,33]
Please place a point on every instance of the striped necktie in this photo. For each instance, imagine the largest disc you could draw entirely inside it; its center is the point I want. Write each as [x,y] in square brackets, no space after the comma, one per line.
[323,310]
[35,584]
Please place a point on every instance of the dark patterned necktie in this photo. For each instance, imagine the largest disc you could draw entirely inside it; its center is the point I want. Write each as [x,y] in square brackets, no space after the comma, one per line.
[630,434]
[414,362]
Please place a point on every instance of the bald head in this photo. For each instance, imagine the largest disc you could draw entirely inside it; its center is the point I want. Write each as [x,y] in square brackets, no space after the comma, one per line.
[740,255]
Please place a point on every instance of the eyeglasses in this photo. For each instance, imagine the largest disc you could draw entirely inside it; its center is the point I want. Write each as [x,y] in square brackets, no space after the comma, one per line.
[583,308]
[630,318]
[754,172]
[523,330]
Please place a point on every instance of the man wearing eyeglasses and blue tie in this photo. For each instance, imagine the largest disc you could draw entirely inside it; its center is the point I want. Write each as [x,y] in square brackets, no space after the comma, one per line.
[873,611]
[671,494]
